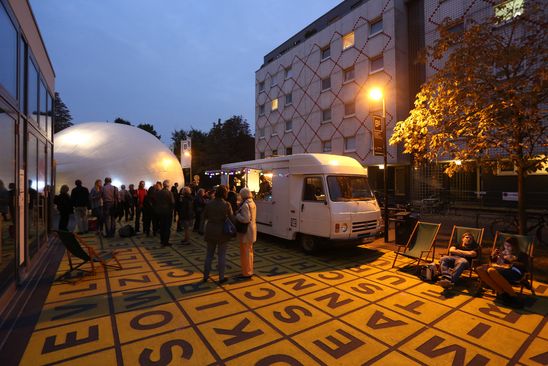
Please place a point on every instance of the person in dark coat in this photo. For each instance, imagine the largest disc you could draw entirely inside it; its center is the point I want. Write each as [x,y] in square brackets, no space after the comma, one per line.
[232,198]
[64,206]
[164,203]
[215,214]
[148,211]
[186,213]
[199,204]
[80,200]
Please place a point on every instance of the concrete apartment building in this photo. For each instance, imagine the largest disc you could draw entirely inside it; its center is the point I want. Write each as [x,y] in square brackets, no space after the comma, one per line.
[312,90]
[27,84]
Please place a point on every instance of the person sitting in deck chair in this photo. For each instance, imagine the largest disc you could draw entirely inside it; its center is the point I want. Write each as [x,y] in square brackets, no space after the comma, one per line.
[458,260]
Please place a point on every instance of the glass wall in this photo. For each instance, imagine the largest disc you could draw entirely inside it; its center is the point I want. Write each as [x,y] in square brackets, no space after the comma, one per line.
[32,194]
[8,52]
[8,215]
[22,74]
[32,106]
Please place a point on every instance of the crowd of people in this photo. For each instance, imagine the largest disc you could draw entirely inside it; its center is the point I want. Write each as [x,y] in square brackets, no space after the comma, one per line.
[155,210]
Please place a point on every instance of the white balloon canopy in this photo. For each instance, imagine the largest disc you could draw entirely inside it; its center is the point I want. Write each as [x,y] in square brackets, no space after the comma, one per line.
[127,154]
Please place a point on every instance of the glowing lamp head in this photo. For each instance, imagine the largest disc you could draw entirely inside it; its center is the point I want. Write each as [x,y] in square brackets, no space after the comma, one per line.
[375,94]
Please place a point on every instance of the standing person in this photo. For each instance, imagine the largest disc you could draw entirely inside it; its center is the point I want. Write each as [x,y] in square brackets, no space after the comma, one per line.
[246,214]
[510,265]
[138,200]
[110,207]
[458,260]
[199,204]
[175,193]
[4,201]
[163,208]
[186,213]
[195,185]
[232,198]
[64,206]
[215,213]
[96,203]
[133,202]
[80,200]
[124,201]
[148,211]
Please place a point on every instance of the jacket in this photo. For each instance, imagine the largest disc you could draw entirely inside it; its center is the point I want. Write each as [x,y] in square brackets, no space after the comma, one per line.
[247,213]
[163,202]
[216,212]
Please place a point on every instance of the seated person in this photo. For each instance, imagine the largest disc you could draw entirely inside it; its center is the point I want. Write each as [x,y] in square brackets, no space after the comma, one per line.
[458,260]
[265,188]
[509,266]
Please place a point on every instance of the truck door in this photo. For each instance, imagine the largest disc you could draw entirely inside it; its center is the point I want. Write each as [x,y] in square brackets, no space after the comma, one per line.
[314,217]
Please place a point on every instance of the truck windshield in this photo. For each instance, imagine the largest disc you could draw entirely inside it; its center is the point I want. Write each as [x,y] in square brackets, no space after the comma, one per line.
[349,188]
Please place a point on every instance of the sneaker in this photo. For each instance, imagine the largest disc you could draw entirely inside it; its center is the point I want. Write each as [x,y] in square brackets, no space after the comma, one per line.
[445,283]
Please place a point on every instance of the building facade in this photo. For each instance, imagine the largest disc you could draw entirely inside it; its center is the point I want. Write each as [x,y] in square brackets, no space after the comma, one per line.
[27,82]
[312,91]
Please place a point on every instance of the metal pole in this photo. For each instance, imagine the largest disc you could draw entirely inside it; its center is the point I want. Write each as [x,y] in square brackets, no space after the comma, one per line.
[386,222]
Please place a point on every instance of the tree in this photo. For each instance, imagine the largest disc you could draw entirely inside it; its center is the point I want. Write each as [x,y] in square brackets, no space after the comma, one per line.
[61,115]
[122,121]
[149,128]
[486,102]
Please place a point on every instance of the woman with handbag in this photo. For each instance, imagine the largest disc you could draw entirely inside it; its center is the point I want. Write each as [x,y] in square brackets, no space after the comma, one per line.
[216,213]
[247,232]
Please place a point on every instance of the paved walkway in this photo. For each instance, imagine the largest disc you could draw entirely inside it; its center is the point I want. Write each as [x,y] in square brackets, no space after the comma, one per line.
[346,307]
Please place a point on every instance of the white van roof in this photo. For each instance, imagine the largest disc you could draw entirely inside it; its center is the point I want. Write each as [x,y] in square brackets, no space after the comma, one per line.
[303,164]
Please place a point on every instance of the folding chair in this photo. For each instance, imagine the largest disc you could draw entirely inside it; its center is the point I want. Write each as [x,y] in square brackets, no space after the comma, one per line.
[454,240]
[76,247]
[420,243]
[526,245]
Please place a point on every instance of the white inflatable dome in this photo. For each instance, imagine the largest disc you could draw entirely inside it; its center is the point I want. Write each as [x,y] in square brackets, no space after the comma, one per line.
[127,154]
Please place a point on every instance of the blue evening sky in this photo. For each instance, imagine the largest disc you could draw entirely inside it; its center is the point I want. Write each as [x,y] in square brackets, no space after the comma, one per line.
[173,63]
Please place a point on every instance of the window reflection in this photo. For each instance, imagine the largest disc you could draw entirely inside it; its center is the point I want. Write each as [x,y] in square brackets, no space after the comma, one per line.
[33,92]
[8,47]
[32,194]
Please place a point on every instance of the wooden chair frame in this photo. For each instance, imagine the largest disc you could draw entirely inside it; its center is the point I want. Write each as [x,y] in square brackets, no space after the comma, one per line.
[408,249]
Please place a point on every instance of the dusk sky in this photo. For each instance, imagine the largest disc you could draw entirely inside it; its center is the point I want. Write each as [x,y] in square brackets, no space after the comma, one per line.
[173,63]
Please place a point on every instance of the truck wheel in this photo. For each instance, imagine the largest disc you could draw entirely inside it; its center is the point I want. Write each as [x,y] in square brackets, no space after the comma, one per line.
[309,244]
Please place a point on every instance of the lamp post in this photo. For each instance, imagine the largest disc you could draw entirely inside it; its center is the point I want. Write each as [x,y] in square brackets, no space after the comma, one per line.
[377,94]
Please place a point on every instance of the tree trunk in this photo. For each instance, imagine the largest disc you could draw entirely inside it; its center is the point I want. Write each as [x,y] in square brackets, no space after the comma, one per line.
[522,217]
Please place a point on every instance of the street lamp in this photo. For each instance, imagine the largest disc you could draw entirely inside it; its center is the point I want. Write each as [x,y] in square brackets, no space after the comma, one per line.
[377,94]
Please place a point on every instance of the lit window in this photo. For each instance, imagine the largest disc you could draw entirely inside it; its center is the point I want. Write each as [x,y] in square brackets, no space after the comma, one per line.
[326,83]
[288,99]
[326,146]
[261,110]
[348,40]
[350,143]
[377,63]
[349,74]
[325,52]
[326,115]
[509,9]
[288,72]
[376,27]
[349,109]
[261,86]
[261,132]
[288,125]
[274,104]
[288,151]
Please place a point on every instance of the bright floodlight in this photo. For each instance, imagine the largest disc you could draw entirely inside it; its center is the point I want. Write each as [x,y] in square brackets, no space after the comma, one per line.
[375,94]
[127,154]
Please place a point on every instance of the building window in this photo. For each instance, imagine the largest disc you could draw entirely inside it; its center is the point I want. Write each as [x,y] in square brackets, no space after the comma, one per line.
[8,60]
[456,27]
[326,115]
[348,41]
[288,151]
[274,106]
[375,27]
[326,83]
[289,99]
[273,81]
[274,132]
[350,143]
[349,109]
[261,110]
[509,10]
[32,92]
[326,146]
[261,86]
[288,72]
[22,73]
[43,106]
[261,132]
[288,125]
[325,53]
[377,63]
[275,152]
[261,155]
[348,74]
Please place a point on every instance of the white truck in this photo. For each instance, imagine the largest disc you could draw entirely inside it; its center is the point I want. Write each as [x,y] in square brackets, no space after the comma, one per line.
[314,198]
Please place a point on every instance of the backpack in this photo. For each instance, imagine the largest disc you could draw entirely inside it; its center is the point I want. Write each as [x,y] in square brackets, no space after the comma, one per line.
[126,231]
[429,272]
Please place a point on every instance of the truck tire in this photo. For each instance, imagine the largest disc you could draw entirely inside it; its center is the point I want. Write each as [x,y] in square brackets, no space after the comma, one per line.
[309,244]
